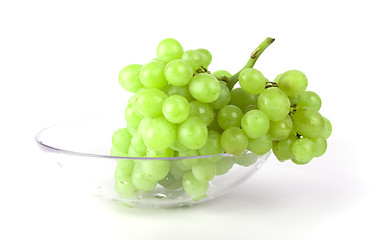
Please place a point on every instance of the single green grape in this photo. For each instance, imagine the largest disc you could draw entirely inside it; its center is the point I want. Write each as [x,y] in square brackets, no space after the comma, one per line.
[327,129]
[152,75]
[182,91]
[282,148]
[229,116]
[134,153]
[140,181]
[294,100]
[171,183]
[204,171]
[255,123]
[169,152]
[143,125]
[309,99]
[276,80]
[222,73]
[202,110]
[193,187]
[160,134]
[293,82]
[280,130]
[320,145]
[131,117]
[149,102]
[252,81]
[308,122]
[115,152]
[155,170]
[176,109]
[206,56]
[224,97]
[178,72]
[298,162]
[126,188]
[303,150]
[129,78]
[234,140]
[274,103]
[169,49]
[242,99]
[138,145]
[193,133]
[121,140]
[124,169]
[246,159]
[177,146]
[224,165]
[212,146]
[261,145]
[205,87]
[193,58]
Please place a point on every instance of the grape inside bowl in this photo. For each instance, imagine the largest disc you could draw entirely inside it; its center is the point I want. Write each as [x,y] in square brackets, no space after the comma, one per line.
[82,150]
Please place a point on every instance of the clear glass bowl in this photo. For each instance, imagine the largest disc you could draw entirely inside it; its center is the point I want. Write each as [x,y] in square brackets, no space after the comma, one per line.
[82,150]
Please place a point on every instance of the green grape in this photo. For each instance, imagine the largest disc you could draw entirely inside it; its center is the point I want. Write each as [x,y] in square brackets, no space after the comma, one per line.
[234,140]
[276,80]
[204,171]
[121,140]
[131,117]
[293,83]
[274,103]
[169,152]
[193,58]
[303,150]
[193,133]
[178,169]
[126,188]
[320,145]
[229,116]
[204,87]
[148,102]
[309,99]
[252,81]
[261,145]
[132,130]
[212,146]
[246,159]
[124,169]
[280,130]
[224,165]
[193,187]
[178,72]
[177,146]
[222,73]
[255,124]
[155,170]
[140,181]
[171,183]
[327,129]
[182,91]
[143,125]
[189,162]
[176,109]
[250,108]
[160,134]
[169,49]
[223,99]
[129,78]
[134,153]
[294,100]
[152,75]
[308,122]
[115,152]
[202,110]
[206,55]
[282,148]
[138,145]
[242,99]
[298,162]
[214,124]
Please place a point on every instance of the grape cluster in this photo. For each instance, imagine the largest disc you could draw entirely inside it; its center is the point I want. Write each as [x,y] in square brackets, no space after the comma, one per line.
[180,109]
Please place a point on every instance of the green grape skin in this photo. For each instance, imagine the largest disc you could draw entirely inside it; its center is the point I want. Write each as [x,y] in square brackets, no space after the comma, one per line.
[193,58]
[204,87]
[134,153]
[148,102]
[293,82]
[282,148]
[309,99]
[124,169]
[223,99]
[129,78]
[276,80]
[126,188]
[193,133]
[234,140]
[178,169]
[143,125]
[294,100]
[116,153]
[132,130]
[178,72]
[169,49]
[193,187]
[274,103]
[229,116]
[222,73]
[140,181]
[171,183]
[308,122]
[206,56]
[169,152]
[177,146]
[182,91]
[255,124]
[176,109]
[160,134]
[303,150]
[252,81]
[327,129]
[298,162]
[280,130]
[202,110]
[131,117]
[250,108]
[152,75]
[138,145]
[224,165]
[242,99]
[121,140]
[260,146]
[204,171]
[320,145]
[214,124]
[246,159]
[212,146]
[188,162]
[155,170]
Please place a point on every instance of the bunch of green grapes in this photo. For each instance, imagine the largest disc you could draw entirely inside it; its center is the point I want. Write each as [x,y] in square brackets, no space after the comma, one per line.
[180,109]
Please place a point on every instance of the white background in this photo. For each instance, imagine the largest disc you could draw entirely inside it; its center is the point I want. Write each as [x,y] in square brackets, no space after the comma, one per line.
[59,60]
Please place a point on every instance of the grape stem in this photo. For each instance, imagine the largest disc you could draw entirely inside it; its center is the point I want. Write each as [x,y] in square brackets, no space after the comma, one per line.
[252,60]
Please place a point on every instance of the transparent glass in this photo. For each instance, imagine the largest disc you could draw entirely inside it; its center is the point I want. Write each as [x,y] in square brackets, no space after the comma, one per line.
[82,150]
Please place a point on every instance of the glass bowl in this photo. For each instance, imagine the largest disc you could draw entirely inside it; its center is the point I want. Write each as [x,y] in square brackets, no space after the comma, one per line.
[82,150]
